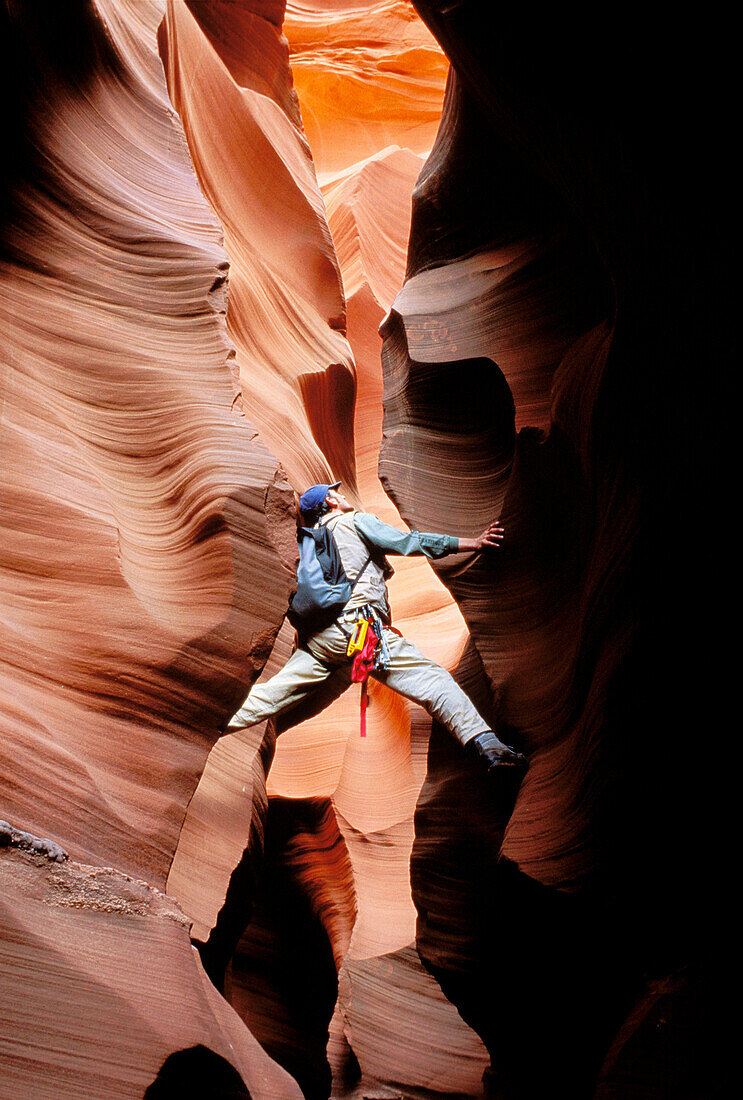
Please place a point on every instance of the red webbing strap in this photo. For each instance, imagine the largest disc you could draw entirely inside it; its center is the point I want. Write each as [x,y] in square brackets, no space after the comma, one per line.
[364,701]
[362,665]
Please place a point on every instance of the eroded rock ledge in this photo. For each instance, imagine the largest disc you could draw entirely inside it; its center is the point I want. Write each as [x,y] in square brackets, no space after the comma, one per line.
[111,990]
[27,842]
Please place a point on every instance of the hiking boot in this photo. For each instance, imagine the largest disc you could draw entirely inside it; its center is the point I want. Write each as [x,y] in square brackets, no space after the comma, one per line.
[494,754]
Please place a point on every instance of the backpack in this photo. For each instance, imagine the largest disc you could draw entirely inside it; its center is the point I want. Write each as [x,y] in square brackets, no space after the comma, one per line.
[323,589]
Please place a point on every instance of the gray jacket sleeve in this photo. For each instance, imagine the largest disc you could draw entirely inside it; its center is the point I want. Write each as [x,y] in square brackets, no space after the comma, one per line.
[391,541]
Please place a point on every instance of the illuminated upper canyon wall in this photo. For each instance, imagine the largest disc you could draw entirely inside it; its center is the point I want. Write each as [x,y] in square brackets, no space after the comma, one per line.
[369,76]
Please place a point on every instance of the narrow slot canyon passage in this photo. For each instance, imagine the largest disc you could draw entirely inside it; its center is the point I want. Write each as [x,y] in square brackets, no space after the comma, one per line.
[472,264]
[370,123]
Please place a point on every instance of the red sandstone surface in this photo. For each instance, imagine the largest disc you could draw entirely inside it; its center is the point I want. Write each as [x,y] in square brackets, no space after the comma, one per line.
[208,211]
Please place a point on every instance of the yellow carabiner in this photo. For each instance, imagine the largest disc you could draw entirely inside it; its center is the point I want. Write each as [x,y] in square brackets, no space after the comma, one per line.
[358,638]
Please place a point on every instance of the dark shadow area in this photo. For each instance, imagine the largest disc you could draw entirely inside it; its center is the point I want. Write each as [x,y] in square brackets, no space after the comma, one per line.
[197,1074]
[611,986]
[464,396]
[525,965]
[47,49]
[237,909]
[541,991]
[270,953]
[460,820]
[449,435]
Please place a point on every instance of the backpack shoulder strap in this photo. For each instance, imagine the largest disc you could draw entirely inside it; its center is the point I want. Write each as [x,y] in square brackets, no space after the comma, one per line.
[328,525]
[358,575]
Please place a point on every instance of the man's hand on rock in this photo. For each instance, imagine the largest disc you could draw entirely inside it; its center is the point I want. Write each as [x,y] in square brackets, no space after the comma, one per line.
[491,539]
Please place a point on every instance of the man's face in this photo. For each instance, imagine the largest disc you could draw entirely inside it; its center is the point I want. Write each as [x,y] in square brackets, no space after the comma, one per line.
[336,499]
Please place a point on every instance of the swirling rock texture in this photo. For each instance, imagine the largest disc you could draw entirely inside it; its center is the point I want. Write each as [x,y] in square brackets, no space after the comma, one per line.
[565,281]
[139,510]
[340,809]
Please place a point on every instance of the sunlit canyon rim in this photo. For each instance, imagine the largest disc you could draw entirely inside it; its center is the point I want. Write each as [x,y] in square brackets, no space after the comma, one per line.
[474,264]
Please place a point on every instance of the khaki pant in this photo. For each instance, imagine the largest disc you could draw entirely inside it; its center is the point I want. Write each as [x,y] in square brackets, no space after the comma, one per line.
[324,662]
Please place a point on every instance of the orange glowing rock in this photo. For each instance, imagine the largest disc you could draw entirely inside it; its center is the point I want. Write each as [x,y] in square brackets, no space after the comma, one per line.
[286,309]
[368,75]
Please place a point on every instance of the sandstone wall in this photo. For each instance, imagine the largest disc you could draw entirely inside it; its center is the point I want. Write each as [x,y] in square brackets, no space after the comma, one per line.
[206,217]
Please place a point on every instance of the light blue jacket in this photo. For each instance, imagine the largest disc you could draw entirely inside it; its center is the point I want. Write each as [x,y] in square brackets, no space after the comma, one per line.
[360,535]
[407,543]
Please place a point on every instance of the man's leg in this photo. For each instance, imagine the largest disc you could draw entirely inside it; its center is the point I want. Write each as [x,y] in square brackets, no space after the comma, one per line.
[299,676]
[423,681]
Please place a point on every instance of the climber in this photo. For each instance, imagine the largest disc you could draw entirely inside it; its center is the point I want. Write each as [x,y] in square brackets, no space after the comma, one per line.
[362,541]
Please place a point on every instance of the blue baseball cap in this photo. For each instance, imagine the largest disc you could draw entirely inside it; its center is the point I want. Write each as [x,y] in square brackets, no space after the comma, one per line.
[314,497]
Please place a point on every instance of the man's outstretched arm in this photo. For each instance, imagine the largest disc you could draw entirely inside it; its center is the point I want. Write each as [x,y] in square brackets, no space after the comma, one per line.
[408,543]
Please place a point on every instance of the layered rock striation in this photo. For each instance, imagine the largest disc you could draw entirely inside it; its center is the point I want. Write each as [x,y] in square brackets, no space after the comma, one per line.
[134,495]
[147,556]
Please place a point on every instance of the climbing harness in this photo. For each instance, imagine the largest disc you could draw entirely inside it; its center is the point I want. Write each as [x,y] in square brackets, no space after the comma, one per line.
[364,646]
[358,638]
[383,658]
[368,648]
